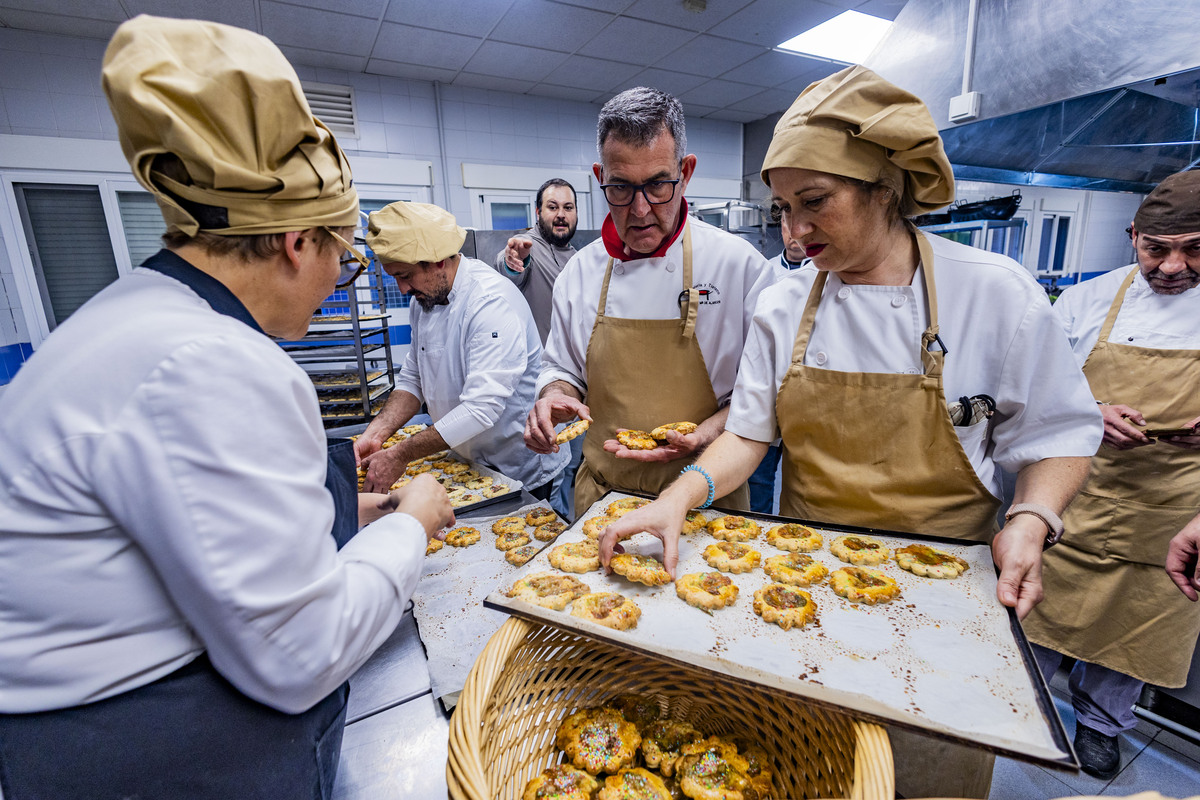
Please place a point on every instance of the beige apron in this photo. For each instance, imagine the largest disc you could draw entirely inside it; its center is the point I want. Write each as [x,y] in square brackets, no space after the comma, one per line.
[643,373]
[1109,600]
[878,450]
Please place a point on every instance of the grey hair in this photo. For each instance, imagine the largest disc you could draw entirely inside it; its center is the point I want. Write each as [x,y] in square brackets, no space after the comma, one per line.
[638,116]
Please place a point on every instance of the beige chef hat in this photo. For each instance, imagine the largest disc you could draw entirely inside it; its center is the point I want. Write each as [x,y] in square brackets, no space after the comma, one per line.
[409,233]
[858,125]
[1173,207]
[213,122]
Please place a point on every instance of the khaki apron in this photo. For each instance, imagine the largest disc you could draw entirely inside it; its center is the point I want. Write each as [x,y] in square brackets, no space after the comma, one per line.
[878,450]
[1109,600]
[643,373]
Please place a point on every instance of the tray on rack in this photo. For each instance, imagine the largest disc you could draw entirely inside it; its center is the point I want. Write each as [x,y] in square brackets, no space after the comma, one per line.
[343,378]
[944,659]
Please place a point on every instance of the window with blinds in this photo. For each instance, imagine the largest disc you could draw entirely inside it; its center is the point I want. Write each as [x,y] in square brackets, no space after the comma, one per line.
[143,224]
[69,242]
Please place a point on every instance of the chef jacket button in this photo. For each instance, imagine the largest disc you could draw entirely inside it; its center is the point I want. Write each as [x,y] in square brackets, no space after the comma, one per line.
[843,293]
[899,300]
[912,371]
[670,267]
[619,269]
[1131,338]
[821,358]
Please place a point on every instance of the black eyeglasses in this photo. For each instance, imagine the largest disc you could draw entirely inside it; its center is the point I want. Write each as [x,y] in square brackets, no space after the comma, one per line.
[352,263]
[655,192]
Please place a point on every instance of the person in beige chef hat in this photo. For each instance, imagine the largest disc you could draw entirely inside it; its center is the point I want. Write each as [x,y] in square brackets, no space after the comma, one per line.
[473,361]
[179,619]
[903,373]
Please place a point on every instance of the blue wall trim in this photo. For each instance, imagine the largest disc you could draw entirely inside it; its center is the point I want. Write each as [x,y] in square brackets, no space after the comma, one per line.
[12,356]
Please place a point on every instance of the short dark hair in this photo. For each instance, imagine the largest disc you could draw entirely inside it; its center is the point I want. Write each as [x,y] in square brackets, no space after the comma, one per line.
[554,182]
[639,116]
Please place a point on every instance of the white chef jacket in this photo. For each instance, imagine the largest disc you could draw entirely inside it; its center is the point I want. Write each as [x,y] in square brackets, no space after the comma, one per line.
[1001,336]
[783,266]
[731,270]
[474,362]
[1146,319]
[162,493]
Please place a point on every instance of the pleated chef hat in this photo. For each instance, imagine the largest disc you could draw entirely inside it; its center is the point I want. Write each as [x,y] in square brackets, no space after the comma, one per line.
[857,125]
[1172,208]
[213,121]
[413,232]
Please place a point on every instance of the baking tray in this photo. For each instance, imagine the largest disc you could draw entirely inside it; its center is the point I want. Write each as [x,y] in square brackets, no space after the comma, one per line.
[946,659]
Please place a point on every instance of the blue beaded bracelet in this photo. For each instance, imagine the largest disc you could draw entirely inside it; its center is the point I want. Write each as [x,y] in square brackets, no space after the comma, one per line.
[712,487]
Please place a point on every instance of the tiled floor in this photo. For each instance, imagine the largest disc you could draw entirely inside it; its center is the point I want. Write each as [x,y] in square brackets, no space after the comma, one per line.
[1151,759]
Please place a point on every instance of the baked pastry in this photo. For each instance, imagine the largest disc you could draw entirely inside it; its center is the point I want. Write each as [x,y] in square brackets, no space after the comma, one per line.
[596,525]
[456,468]
[862,585]
[482,482]
[795,537]
[433,546]
[784,605]
[634,783]
[466,500]
[438,456]
[642,569]
[619,508]
[731,557]
[540,516]
[929,562]
[561,782]
[399,484]
[637,440]
[510,539]
[462,537]
[694,521]
[495,490]
[572,431]
[706,590]
[638,709]
[519,555]
[795,569]
[466,476]
[455,493]
[758,766]
[409,430]
[550,531]
[733,528]
[576,556]
[663,743]
[712,769]
[508,524]
[417,468]
[444,463]
[598,739]
[548,590]
[860,550]
[660,433]
[608,609]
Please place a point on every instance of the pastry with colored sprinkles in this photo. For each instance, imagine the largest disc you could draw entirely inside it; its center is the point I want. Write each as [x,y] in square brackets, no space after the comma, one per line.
[433,546]
[576,556]
[539,516]
[634,783]
[508,525]
[733,528]
[462,537]
[561,782]
[619,508]
[511,539]
[519,555]
[712,769]
[596,525]
[495,490]
[694,521]
[550,531]
[598,740]
[638,709]
[663,743]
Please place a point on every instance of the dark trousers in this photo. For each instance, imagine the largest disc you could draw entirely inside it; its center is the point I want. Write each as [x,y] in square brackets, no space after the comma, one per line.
[762,481]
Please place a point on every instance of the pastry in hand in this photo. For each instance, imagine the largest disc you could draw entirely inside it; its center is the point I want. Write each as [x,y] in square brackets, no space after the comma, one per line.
[794,537]
[598,739]
[733,528]
[786,606]
[548,590]
[576,556]
[608,609]
[660,433]
[795,569]
[596,525]
[561,782]
[929,562]
[706,590]
[572,431]
[643,569]
[433,546]
[619,508]
[637,440]
[862,585]
[861,550]
[731,557]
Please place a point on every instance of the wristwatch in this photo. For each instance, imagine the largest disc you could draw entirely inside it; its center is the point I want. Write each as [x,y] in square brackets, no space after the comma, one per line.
[1052,520]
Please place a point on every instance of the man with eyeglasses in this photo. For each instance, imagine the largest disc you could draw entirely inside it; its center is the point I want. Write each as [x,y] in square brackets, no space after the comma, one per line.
[474,357]
[179,621]
[649,321]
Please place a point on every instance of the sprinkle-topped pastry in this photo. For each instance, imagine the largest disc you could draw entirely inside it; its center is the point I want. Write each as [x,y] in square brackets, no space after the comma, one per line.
[539,516]
[862,585]
[663,743]
[634,783]
[731,557]
[549,590]
[481,482]
[598,739]
[929,562]
[862,550]
[576,556]
[433,546]
[660,433]
[549,531]
[508,525]
[561,782]
[795,569]
[733,528]
[572,431]
[794,537]
[712,769]
[596,525]
[495,490]
[511,539]
[462,537]
[637,440]
[465,500]
[618,508]
[519,555]
[706,590]
[608,609]
[638,709]
[786,606]
[642,569]
[694,521]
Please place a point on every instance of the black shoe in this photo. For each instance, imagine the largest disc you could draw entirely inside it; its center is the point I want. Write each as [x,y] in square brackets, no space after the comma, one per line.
[1098,754]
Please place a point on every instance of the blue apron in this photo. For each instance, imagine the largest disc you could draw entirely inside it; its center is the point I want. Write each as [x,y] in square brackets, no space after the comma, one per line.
[191,734]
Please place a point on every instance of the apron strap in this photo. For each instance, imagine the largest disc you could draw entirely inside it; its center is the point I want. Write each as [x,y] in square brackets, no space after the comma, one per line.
[1115,308]
[800,346]
[931,361]
[692,307]
[604,288]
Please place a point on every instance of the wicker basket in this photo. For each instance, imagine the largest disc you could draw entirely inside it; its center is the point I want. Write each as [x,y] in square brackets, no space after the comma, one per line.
[531,676]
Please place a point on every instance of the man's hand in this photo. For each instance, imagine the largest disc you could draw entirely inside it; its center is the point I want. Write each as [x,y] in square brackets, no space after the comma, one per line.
[1120,432]
[426,501]
[1017,551]
[1182,559]
[662,518]
[364,447]
[548,411]
[678,446]
[383,469]
[516,251]
[1187,442]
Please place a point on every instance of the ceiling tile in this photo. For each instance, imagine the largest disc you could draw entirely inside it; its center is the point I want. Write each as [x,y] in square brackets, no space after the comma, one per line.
[109,10]
[358,8]
[230,12]
[62,25]
[771,69]
[884,9]
[675,83]
[324,58]
[614,6]
[410,45]
[471,17]
[492,82]
[819,70]
[672,12]
[581,72]
[566,93]
[718,94]
[314,29]
[644,42]
[552,26]
[768,102]
[710,56]
[733,116]
[693,110]
[769,22]
[513,61]
[414,72]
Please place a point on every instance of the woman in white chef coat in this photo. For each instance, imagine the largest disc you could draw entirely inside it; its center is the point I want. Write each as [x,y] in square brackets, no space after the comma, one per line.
[179,621]
[860,364]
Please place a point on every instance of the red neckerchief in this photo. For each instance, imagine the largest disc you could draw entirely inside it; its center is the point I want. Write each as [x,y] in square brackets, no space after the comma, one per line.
[616,248]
